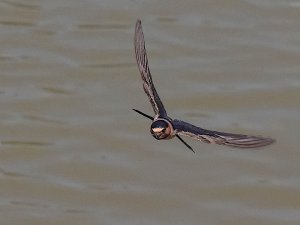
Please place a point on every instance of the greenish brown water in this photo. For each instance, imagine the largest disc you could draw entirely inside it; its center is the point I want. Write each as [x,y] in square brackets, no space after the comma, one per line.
[72,150]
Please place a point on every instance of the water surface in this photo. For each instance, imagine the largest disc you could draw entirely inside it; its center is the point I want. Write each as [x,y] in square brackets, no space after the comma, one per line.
[72,150]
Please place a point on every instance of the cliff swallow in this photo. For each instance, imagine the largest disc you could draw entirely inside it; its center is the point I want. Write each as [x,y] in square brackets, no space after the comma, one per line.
[163,127]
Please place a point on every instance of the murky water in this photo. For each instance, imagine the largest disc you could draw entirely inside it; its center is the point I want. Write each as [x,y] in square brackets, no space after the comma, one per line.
[72,150]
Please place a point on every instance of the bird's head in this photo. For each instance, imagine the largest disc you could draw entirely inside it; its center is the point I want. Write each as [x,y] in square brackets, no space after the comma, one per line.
[161,129]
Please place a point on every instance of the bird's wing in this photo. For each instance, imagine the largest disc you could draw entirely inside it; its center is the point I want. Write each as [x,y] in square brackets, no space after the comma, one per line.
[208,136]
[142,61]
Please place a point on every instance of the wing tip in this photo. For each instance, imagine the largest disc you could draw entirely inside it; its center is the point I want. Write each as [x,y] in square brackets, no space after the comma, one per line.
[138,23]
[250,142]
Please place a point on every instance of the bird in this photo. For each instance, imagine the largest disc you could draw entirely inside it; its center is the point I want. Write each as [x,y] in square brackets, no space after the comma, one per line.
[164,127]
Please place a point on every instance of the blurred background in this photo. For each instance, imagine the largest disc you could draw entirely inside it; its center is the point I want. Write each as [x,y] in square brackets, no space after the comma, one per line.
[73,151]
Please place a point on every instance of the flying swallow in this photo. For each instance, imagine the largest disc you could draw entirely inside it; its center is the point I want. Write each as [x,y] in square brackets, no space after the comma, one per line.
[164,127]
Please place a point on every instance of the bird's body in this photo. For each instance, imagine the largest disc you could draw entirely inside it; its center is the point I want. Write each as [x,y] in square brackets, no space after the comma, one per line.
[164,127]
